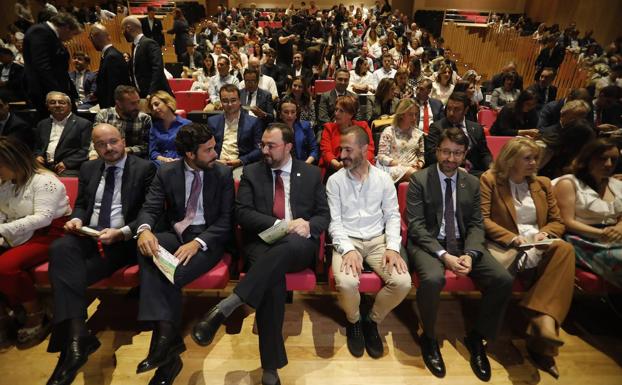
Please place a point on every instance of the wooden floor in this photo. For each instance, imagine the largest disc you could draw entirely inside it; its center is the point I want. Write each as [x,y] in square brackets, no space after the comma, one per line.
[316,346]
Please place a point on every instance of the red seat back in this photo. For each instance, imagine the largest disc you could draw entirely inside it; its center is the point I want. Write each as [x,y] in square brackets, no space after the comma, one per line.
[178,84]
[486,117]
[496,143]
[71,187]
[191,100]
[322,86]
[181,113]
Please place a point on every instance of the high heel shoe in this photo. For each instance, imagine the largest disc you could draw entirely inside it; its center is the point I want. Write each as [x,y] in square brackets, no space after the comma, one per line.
[543,326]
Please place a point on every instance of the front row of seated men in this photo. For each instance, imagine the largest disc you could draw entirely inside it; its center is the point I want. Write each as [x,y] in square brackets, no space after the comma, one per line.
[188,208]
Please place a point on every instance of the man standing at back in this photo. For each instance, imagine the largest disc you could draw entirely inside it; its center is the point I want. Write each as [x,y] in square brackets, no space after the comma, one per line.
[146,66]
[152,26]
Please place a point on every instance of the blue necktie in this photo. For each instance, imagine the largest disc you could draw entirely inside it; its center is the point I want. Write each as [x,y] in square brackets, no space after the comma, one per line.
[105,209]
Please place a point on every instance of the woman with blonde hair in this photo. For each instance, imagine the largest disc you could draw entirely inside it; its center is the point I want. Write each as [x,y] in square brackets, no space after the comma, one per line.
[401,146]
[166,125]
[519,209]
[33,209]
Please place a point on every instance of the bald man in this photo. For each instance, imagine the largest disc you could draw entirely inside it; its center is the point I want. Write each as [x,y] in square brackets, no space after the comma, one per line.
[111,191]
[146,65]
[113,69]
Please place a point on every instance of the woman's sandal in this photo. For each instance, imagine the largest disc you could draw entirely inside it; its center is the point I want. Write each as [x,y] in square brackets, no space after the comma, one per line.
[30,336]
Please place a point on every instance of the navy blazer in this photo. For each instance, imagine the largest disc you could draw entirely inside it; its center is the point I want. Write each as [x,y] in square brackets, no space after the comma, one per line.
[438,111]
[74,142]
[89,83]
[305,142]
[156,32]
[249,135]
[263,101]
[167,198]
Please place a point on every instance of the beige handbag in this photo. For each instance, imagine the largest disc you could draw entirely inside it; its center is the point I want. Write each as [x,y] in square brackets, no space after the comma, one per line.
[505,256]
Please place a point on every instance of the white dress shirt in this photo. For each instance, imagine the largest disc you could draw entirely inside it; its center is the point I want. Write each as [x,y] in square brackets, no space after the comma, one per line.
[55,133]
[363,209]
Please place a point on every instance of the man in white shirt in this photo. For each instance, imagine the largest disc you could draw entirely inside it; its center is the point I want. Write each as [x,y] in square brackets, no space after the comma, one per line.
[387,70]
[365,227]
[217,81]
[376,49]
[364,53]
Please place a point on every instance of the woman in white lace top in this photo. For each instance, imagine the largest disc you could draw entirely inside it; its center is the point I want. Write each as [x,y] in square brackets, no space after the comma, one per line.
[33,208]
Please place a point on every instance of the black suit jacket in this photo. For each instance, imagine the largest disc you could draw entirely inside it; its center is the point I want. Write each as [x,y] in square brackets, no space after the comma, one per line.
[305,73]
[149,68]
[113,71]
[424,206]
[479,155]
[137,176]
[73,146]
[89,83]
[253,206]
[46,65]
[18,128]
[550,113]
[15,82]
[263,101]
[167,198]
[198,59]
[542,94]
[154,33]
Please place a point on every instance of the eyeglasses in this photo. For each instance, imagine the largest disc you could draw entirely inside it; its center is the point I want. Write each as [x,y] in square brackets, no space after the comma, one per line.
[271,146]
[445,152]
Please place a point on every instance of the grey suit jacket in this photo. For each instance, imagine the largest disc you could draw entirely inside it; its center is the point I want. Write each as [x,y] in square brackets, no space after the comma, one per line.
[326,112]
[424,205]
[73,145]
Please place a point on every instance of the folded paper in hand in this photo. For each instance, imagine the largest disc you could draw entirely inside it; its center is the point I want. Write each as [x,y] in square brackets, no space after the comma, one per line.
[544,242]
[274,233]
[167,263]
[89,231]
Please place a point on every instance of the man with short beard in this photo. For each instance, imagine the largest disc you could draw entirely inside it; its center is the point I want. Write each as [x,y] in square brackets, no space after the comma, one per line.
[193,198]
[280,188]
[111,191]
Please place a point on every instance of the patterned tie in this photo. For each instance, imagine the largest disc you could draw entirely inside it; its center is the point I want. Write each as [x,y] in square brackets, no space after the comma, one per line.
[450,225]
[105,209]
[278,206]
[426,118]
[191,205]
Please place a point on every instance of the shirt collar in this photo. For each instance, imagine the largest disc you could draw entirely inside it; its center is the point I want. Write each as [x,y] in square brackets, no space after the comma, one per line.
[189,169]
[60,122]
[106,48]
[137,39]
[369,171]
[120,163]
[442,176]
[53,28]
[286,168]
[235,119]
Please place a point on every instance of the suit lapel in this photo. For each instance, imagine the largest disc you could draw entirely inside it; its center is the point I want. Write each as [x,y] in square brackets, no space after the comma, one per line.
[434,187]
[93,184]
[126,185]
[268,192]
[508,199]
[69,126]
[209,191]
[180,178]
[295,177]
[539,200]
[462,197]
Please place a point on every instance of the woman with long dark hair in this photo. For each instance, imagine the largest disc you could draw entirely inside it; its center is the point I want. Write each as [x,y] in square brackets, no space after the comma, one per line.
[180,30]
[518,118]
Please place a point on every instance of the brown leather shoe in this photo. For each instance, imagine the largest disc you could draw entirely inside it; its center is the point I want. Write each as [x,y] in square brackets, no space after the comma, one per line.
[543,326]
[544,363]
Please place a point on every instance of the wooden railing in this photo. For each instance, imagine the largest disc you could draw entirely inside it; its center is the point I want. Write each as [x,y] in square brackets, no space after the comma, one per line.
[82,43]
[487,51]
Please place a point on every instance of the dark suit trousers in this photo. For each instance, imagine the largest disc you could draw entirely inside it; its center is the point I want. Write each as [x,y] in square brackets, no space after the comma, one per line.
[493,280]
[264,289]
[75,263]
[160,300]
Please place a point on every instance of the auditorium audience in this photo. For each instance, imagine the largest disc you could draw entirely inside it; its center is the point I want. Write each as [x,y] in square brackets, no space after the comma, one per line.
[401,147]
[443,86]
[385,100]
[432,110]
[532,216]
[519,117]
[563,148]
[387,70]
[505,94]
[362,81]
[404,88]
[33,209]
[84,81]
[544,89]
[498,79]
[326,109]
[13,125]
[216,82]
[166,125]
[299,91]
[549,114]
[468,88]
[305,146]
[11,76]
[258,101]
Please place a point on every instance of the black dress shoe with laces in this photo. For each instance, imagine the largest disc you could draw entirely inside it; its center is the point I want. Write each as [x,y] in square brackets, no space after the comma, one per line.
[356,341]
[373,342]
[479,361]
[165,375]
[204,331]
[164,350]
[432,356]
[76,354]
[544,363]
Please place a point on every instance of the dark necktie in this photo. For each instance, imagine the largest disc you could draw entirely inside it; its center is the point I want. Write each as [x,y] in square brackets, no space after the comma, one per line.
[250,98]
[191,205]
[105,209]
[449,216]
[278,206]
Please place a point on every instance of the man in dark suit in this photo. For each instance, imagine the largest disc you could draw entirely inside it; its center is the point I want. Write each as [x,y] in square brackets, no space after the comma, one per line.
[328,100]
[446,231]
[544,89]
[146,66]
[62,140]
[191,52]
[297,69]
[551,111]
[152,26]
[113,69]
[478,157]
[111,192]
[11,76]
[13,125]
[84,80]
[551,56]
[431,110]
[194,197]
[46,60]
[262,201]
[258,101]
[237,134]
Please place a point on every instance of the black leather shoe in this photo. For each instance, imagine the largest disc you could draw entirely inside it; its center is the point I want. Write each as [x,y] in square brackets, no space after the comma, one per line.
[432,356]
[479,361]
[269,380]
[164,350]
[165,375]
[373,342]
[76,355]
[204,331]
[544,363]
[356,341]
[59,365]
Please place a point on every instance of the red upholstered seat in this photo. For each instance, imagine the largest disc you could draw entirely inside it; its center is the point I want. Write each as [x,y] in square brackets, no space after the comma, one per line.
[322,86]
[71,187]
[486,117]
[178,84]
[402,191]
[191,100]
[181,113]
[495,143]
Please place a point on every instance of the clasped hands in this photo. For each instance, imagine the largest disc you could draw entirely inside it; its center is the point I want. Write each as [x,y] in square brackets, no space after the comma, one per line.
[459,265]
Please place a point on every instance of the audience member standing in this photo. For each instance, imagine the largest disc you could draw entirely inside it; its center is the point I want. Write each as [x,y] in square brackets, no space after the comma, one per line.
[180,30]
[152,26]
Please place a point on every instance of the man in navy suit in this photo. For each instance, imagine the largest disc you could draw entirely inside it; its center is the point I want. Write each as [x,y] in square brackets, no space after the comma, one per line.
[258,101]
[46,60]
[111,192]
[113,69]
[193,197]
[62,140]
[431,109]
[152,26]
[84,80]
[237,133]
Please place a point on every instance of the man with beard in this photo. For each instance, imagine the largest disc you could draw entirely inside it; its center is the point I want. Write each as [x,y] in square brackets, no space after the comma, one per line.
[280,188]
[193,199]
[127,117]
[111,191]
[365,227]
[446,231]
